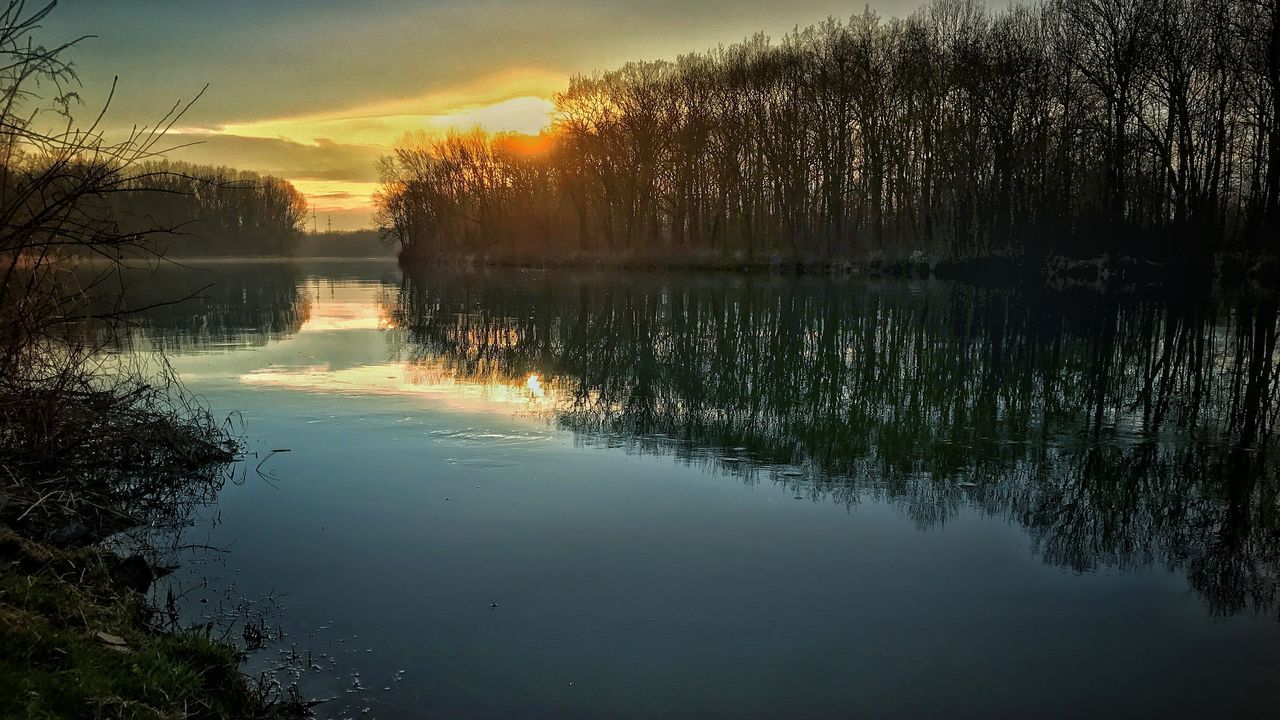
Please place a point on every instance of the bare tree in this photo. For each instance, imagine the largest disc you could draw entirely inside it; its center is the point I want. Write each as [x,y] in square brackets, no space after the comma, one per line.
[1078,127]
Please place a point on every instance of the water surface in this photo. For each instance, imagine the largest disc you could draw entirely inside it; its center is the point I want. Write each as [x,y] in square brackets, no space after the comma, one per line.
[718,496]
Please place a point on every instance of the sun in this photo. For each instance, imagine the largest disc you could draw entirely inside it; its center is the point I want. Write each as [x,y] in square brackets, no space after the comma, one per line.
[534,383]
[525,115]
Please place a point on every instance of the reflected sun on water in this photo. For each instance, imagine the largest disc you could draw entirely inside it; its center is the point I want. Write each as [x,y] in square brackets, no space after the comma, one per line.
[347,314]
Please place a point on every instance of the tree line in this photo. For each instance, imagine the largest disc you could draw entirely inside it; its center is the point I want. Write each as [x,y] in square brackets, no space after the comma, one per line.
[343,243]
[193,210]
[1139,127]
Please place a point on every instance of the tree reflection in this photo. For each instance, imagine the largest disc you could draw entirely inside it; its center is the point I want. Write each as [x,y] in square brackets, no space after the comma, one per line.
[194,310]
[1118,431]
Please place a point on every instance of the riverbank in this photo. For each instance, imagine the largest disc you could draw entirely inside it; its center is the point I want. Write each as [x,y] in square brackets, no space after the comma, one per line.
[79,637]
[1099,272]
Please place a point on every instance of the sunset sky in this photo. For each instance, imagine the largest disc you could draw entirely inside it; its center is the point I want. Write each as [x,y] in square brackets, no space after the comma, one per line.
[316,90]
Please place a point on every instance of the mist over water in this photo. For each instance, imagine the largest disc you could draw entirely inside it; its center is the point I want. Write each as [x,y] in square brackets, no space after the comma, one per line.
[590,494]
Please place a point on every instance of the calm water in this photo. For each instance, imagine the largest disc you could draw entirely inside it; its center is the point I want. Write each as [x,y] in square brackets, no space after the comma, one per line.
[725,497]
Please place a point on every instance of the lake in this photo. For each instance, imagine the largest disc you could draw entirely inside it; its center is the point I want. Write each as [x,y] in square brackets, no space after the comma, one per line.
[584,494]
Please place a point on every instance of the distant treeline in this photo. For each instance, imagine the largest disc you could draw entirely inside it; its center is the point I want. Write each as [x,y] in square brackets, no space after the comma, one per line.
[191,210]
[1140,127]
[222,306]
[343,243]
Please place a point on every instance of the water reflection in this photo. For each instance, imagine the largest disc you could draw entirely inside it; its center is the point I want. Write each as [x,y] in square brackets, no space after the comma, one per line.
[1118,432]
[443,433]
[218,306]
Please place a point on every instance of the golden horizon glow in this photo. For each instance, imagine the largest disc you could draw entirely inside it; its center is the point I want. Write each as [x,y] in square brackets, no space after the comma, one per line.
[526,114]
[518,101]
[534,383]
[336,195]
[343,309]
[432,380]
[514,101]
[529,144]
[337,314]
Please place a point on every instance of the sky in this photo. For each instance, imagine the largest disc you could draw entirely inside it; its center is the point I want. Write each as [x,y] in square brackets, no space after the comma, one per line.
[316,90]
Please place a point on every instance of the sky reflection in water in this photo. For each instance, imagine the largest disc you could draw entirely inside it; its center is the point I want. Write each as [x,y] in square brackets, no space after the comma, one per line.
[660,542]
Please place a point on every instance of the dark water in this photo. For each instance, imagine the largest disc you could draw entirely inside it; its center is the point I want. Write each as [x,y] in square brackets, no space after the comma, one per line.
[716,496]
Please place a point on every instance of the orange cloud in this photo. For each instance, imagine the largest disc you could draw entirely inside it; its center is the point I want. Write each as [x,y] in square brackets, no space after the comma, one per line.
[516,100]
[329,156]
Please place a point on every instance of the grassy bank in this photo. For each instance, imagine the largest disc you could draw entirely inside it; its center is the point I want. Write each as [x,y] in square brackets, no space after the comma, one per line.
[77,640]
[84,461]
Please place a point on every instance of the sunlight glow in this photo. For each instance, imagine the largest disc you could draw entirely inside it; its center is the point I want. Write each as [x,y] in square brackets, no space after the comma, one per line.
[529,144]
[330,314]
[525,114]
[534,383]
[528,115]
[441,385]
[331,195]
[515,101]
[345,311]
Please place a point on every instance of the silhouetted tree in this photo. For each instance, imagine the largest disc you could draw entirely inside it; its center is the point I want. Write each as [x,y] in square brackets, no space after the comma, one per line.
[191,210]
[1076,127]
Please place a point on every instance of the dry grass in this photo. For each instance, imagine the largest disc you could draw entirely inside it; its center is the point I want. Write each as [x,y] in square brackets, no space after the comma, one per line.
[103,452]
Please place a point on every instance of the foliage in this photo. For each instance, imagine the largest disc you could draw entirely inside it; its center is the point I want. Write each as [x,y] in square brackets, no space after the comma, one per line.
[192,210]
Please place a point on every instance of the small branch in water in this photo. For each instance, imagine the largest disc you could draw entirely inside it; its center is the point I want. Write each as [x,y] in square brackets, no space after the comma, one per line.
[258,469]
[201,546]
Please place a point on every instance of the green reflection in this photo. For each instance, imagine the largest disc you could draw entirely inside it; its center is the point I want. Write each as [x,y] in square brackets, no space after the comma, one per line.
[1118,432]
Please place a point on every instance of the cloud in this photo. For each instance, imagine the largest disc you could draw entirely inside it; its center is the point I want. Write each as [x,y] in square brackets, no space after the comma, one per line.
[331,157]
[337,178]
[316,90]
[322,159]
[336,195]
[514,100]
